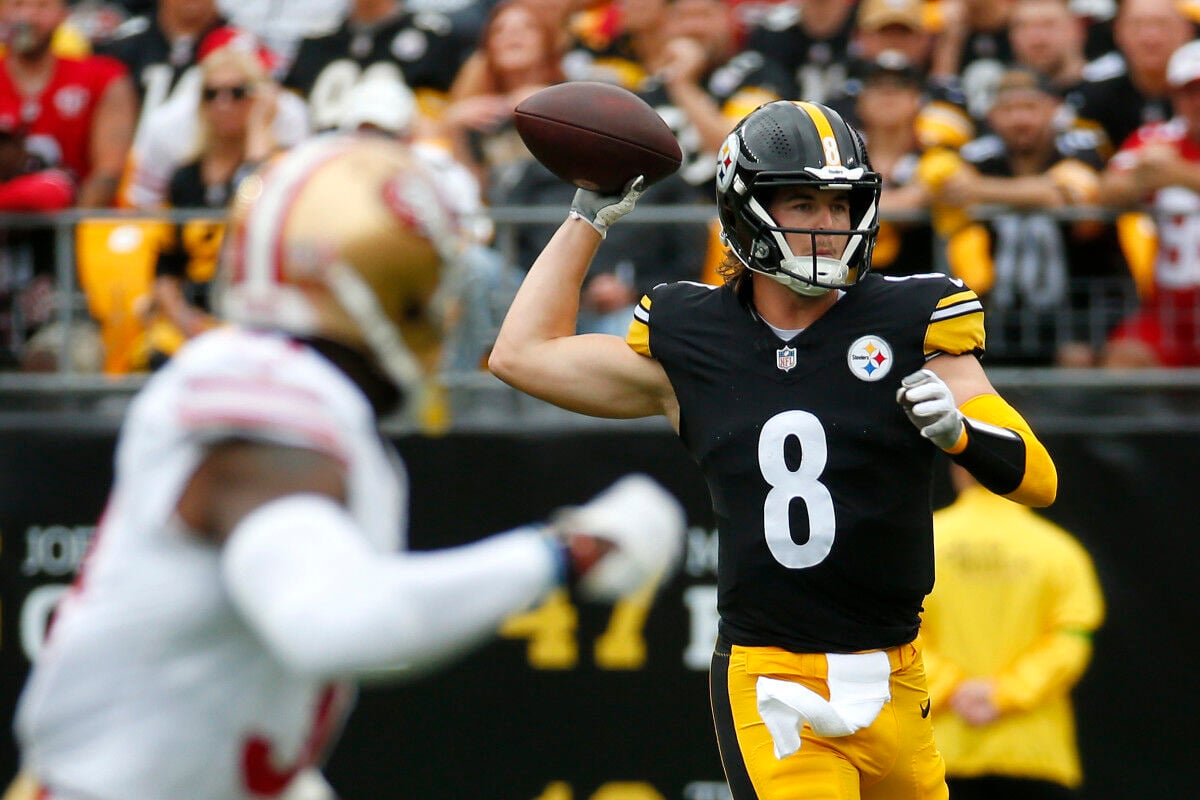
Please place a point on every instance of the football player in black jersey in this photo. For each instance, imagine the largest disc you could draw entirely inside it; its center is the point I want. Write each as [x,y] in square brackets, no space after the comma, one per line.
[814,395]
[379,39]
[158,49]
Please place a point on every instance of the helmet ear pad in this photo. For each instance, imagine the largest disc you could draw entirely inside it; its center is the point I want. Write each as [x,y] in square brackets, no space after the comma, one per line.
[786,143]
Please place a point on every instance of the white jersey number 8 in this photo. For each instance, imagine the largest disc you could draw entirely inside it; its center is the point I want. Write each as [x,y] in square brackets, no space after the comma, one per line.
[802,482]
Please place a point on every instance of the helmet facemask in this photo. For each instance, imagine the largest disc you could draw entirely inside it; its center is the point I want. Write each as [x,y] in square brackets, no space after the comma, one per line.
[812,274]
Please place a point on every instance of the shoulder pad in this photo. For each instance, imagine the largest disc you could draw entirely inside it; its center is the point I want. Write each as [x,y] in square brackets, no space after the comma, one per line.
[727,77]
[983,148]
[130,27]
[1099,10]
[956,324]
[1079,140]
[321,28]
[433,22]
[1108,66]
[781,17]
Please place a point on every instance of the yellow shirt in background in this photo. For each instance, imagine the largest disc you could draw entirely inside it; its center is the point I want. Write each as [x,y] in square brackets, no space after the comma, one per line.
[1016,599]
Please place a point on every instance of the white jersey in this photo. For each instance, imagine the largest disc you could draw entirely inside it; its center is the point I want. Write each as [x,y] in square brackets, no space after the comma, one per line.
[112,702]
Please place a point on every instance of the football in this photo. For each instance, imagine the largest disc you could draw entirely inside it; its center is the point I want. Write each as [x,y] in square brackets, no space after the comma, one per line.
[596,135]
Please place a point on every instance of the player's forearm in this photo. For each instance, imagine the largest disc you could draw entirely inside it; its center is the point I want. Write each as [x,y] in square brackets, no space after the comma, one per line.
[999,448]
[328,606]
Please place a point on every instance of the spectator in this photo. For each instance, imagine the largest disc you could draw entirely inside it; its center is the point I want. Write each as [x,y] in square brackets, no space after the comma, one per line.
[78,113]
[973,43]
[1049,38]
[810,40]
[703,83]
[1052,289]
[1008,634]
[282,32]
[1128,89]
[25,185]
[902,27]
[677,57]
[888,105]
[235,113]
[376,37]
[1160,166]
[26,276]
[161,49]
[893,25]
[518,54]
[169,131]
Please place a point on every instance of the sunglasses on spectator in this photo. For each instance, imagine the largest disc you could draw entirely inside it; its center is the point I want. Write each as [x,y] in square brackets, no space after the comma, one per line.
[211,93]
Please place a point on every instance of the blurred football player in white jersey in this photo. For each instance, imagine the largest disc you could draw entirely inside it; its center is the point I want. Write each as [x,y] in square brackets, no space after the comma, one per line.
[246,570]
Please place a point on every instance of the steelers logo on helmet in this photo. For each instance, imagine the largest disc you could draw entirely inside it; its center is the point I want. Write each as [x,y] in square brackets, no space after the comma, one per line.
[727,162]
[869,358]
[798,144]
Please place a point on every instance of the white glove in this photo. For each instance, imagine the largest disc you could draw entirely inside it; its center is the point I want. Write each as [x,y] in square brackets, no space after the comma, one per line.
[640,528]
[929,404]
[602,210]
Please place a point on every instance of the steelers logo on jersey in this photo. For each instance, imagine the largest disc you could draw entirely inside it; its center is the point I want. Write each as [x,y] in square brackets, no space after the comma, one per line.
[869,358]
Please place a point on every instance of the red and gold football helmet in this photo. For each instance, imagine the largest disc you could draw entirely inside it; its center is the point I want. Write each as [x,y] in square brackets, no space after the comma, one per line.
[344,238]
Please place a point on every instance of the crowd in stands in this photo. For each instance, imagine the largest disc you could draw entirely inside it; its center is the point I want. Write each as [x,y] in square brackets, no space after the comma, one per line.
[1047,152]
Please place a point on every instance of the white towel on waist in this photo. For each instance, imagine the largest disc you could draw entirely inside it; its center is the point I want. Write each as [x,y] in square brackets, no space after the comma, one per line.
[858,689]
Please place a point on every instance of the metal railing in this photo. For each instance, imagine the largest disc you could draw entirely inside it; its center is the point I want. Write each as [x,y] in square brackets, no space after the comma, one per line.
[87,391]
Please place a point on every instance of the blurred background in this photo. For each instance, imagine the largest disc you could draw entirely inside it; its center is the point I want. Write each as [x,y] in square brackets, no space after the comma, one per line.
[1043,151]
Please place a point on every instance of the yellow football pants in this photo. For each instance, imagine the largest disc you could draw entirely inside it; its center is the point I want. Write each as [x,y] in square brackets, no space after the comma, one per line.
[894,758]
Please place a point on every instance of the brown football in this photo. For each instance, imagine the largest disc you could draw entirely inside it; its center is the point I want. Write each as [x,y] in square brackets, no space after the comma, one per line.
[596,135]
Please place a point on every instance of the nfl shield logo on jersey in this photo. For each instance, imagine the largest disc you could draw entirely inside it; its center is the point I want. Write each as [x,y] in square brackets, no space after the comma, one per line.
[869,358]
[785,358]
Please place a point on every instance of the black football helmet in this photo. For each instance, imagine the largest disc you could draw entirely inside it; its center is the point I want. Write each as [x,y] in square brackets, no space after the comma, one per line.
[785,143]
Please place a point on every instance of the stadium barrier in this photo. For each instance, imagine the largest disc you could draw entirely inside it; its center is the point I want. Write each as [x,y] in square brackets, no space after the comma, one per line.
[103,263]
[582,703]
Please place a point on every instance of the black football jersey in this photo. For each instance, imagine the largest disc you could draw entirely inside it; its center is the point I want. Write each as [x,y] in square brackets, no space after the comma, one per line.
[737,87]
[156,64]
[1116,105]
[985,56]
[820,484]
[817,66]
[421,49]
[1053,281]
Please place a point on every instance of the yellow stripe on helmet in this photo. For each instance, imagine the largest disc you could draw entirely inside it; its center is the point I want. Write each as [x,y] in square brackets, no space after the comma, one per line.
[833,154]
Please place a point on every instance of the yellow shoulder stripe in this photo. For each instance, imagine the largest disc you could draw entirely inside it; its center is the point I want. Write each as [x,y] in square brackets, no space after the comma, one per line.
[956,325]
[638,336]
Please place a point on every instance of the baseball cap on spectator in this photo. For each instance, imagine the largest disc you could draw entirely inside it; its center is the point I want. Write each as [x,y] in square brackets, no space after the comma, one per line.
[1184,66]
[382,103]
[1016,79]
[236,38]
[875,15]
